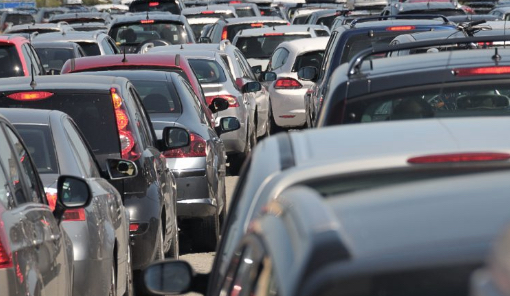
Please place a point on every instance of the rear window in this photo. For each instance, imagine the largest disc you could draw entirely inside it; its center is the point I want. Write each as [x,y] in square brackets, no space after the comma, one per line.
[362,41]
[197,29]
[54,58]
[475,98]
[232,30]
[211,14]
[170,6]
[90,48]
[445,12]
[263,46]
[39,143]
[158,96]
[208,71]
[19,19]
[321,33]
[11,64]
[300,19]
[92,112]
[326,20]
[309,59]
[245,12]
[136,33]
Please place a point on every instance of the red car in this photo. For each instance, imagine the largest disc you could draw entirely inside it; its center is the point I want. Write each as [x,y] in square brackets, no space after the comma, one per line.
[167,62]
[17,57]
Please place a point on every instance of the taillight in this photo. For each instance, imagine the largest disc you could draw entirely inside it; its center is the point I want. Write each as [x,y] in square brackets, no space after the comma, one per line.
[5,252]
[30,95]
[128,147]
[133,227]
[459,157]
[287,83]
[153,4]
[147,21]
[273,34]
[400,28]
[224,33]
[51,196]
[235,2]
[232,101]
[482,71]
[257,25]
[208,12]
[196,148]
[484,44]
[74,215]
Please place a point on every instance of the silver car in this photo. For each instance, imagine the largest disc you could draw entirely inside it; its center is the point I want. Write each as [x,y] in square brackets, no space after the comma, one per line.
[287,92]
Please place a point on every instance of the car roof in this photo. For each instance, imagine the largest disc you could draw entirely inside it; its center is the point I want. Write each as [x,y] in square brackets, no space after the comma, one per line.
[78,15]
[13,39]
[202,20]
[32,116]
[423,5]
[57,82]
[502,8]
[214,7]
[279,29]
[252,19]
[136,17]
[396,22]
[192,46]
[166,60]
[304,45]
[131,74]
[194,54]
[74,36]
[69,45]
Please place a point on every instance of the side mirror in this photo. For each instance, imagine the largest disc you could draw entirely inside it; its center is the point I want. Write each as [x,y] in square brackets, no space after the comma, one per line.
[119,169]
[251,87]
[229,124]
[173,277]
[204,40]
[175,137]
[269,76]
[308,73]
[72,193]
[218,104]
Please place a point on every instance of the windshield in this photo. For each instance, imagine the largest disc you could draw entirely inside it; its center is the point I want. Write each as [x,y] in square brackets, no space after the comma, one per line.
[483,98]
[54,58]
[11,64]
[19,19]
[232,30]
[263,46]
[158,96]
[39,143]
[208,71]
[169,6]
[136,33]
[48,14]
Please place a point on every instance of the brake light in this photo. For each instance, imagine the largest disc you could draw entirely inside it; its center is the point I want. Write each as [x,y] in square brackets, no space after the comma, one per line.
[196,148]
[30,95]
[147,21]
[153,4]
[128,147]
[51,196]
[208,12]
[74,215]
[273,34]
[484,44]
[133,227]
[235,2]
[257,25]
[459,157]
[5,252]
[287,83]
[262,12]
[224,33]
[482,71]
[400,28]
[232,101]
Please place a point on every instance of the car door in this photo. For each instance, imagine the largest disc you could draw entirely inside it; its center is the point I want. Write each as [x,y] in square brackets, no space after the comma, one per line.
[39,252]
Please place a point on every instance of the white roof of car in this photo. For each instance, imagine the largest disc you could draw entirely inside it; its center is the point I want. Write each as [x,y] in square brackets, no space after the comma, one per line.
[304,45]
[202,20]
[215,8]
[280,29]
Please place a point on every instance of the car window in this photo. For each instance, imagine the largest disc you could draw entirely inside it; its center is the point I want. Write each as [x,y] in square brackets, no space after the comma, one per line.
[39,143]
[90,48]
[208,71]
[145,130]
[281,59]
[261,47]
[136,33]
[5,189]
[309,59]
[170,6]
[187,93]
[328,53]
[274,58]
[10,61]
[54,58]
[28,59]
[247,72]
[321,33]
[158,96]
[82,153]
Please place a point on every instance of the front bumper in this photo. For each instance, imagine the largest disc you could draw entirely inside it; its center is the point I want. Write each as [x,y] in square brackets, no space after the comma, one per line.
[288,106]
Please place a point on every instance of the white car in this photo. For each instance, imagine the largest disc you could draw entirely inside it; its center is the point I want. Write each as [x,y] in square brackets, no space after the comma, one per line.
[258,45]
[287,92]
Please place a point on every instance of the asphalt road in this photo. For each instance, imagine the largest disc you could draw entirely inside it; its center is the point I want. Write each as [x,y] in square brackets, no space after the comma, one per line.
[202,262]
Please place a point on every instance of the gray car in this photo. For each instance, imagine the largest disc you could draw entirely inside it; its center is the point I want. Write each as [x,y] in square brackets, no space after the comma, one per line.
[100,231]
[93,43]
[35,252]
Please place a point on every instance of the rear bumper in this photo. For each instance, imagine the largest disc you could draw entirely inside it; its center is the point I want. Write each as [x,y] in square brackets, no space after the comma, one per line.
[193,200]
[288,107]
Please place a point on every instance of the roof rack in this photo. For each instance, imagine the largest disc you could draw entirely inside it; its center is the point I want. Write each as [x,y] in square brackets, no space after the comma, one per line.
[399,16]
[356,62]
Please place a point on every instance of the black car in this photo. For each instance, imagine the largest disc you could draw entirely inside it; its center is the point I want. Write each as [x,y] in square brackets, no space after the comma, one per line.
[110,114]
[53,55]
[419,238]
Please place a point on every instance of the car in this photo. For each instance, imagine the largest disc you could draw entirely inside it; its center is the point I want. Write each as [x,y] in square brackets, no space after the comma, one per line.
[12,18]
[228,28]
[137,31]
[32,240]
[215,11]
[501,12]
[91,26]
[258,45]
[172,6]
[18,57]
[347,18]
[44,13]
[93,43]
[480,7]
[245,9]
[241,72]
[290,105]
[39,28]
[214,77]
[438,8]
[460,19]
[376,5]
[99,232]
[300,15]
[324,17]
[82,17]
[348,40]
[440,94]
[115,109]
[53,55]
[372,242]
[197,24]
[200,167]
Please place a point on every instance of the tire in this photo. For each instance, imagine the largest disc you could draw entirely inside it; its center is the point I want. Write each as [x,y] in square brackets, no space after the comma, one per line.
[160,252]
[206,234]
[174,246]
[113,283]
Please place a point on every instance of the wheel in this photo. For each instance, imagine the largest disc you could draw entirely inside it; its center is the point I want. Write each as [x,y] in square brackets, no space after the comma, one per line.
[160,252]
[206,233]
[174,246]
[129,276]
[113,283]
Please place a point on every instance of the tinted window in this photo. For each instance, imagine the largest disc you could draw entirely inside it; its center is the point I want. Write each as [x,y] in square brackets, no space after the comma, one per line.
[19,19]
[232,30]
[278,59]
[312,59]
[170,6]
[135,33]
[197,29]
[158,96]
[106,47]
[212,15]
[48,14]
[82,153]
[208,71]
[321,33]
[54,58]
[39,143]
[326,20]
[300,19]
[263,46]
[245,12]
[362,41]
[11,64]
[90,48]
[92,112]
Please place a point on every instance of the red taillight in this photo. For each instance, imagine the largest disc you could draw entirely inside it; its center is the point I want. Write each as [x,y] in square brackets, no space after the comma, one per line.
[287,83]
[30,95]
[74,215]
[133,227]
[459,157]
[262,12]
[5,252]
[232,101]
[257,25]
[127,141]
[122,119]
[153,4]
[273,34]
[147,21]
[196,148]
[484,44]
[208,12]
[224,33]
[400,28]
[235,2]
[482,71]
[51,196]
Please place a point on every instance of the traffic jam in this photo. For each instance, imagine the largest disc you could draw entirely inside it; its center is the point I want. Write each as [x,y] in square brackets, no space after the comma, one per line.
[306,148]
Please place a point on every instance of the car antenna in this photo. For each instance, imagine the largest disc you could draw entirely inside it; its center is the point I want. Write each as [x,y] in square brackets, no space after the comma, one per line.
[124,60]
[496,57]
[33,84]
